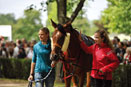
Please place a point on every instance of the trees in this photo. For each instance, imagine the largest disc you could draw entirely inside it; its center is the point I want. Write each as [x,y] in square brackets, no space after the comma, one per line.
[63,8]
[28,26]
[7,19]
[62,12]
[67,10]
[117,17]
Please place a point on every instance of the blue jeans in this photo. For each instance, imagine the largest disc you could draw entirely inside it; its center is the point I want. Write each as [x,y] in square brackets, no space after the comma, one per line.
[49,82]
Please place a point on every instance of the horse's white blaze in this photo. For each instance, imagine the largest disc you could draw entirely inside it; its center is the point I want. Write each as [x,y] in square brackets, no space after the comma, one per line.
[66,42]
[51,44]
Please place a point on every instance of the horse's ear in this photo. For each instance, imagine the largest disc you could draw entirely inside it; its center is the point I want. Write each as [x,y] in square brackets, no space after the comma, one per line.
[67,24]
[53,23]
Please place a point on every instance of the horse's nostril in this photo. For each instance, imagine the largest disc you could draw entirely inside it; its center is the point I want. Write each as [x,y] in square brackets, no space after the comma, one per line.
[54,57]
[51,57]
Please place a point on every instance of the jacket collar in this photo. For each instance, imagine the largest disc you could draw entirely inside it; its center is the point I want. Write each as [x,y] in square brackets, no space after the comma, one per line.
[102,45]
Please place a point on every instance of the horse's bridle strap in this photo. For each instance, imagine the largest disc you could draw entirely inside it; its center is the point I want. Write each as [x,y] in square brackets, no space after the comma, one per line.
[57,45]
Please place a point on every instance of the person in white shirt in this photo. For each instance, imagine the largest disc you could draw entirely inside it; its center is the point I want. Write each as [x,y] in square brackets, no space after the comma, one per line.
[16,50]
[30,53]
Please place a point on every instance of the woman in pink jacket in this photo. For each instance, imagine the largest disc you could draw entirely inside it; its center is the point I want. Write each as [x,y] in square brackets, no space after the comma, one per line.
[105,60]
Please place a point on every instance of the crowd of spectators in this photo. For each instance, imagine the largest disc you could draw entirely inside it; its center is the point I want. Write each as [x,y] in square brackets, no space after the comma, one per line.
[19,49]
[122,50]
[24,49]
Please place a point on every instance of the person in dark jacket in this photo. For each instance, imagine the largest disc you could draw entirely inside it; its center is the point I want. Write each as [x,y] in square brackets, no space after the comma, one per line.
[21,53]
[120,51]
[105,60]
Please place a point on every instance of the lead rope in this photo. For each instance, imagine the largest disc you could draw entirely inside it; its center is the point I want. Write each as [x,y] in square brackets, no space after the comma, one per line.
[31,81]
[72,73]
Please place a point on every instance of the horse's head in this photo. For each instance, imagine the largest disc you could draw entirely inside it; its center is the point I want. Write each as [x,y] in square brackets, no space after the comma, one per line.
[60,40]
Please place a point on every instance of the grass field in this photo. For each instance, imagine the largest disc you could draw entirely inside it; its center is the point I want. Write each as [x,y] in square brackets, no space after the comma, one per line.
[20,83]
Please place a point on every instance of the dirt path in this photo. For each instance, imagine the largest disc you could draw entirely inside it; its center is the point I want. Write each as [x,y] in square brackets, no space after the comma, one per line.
[20,83]
[13,83]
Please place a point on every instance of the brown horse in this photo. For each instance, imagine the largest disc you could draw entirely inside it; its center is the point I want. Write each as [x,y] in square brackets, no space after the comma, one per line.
[76,62]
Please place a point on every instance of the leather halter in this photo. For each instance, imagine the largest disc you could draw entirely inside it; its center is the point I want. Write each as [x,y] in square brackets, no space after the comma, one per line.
[65,44]
[57,45]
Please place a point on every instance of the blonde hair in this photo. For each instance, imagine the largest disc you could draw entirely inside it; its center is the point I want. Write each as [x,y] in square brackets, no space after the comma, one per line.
[128,49]
[104,35]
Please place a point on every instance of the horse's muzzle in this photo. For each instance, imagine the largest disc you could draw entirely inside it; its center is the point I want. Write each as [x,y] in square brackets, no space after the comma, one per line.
[54,57]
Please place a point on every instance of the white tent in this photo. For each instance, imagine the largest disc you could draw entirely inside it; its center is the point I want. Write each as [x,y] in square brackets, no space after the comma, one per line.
[6,31]
[120,36]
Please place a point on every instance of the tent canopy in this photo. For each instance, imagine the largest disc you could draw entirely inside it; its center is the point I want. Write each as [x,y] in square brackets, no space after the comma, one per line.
[6,31]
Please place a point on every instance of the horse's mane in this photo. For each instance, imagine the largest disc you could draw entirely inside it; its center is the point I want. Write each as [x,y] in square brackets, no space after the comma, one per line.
[61,29]
[89,41]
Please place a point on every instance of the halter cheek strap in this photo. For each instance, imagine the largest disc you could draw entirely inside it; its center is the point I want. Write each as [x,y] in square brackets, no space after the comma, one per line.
[65,44]
[57,45]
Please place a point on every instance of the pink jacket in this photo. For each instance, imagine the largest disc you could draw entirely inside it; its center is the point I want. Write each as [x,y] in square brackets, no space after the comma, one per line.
[103,58]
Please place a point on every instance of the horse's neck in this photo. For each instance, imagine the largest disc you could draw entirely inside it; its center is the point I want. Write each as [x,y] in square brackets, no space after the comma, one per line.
[74,46]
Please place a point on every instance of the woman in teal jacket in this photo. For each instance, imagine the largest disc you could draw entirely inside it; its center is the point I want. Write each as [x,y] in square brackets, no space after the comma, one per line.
[41,63]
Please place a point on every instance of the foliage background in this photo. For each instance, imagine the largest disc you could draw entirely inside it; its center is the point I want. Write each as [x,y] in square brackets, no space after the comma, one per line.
[117,17]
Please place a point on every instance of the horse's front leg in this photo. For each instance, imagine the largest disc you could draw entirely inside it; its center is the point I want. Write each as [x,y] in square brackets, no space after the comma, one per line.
[67,80]
[88,79]
[74,81]
[81,79]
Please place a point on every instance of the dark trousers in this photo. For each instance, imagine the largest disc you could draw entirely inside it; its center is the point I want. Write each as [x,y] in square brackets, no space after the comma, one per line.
[100,83]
